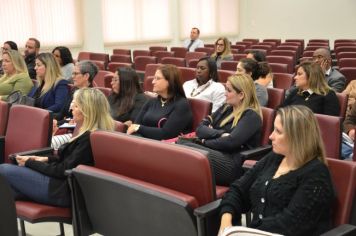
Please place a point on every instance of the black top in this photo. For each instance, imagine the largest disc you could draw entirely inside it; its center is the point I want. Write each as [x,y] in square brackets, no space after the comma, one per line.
[69,156]
[296,203]
[31,63]
[65,112]
[245,135]
[165,122]
[140,100]
[327,105]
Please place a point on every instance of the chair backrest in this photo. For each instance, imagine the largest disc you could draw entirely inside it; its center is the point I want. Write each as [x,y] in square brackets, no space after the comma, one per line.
[240,48]
[345,55]
[349,73]
[99,78]
[284,60]
[343,98]
[177,61]
[121,58]
[279,67]
[290,53]
[301,41]
[113,66]
[157,48]
[268,115]
[343,174]
[105,91]
[282,80]
[268,48]
[179,51]
[139,208]
[28,128]
[171,166]
[229,65]
[121,51]
[208,51]
[8,222]
[4,115]
[330,128]
[150,70]
[194,55]
[309,53]
[84,56]
[142,61]
[193,63]
[104,57]
[345,49]
[200,109]
[147,83]
[238,57]
[100,64]
[275,97]
[162,54]
[136,53]
[224,75]
[254,41]
[277,41]
[347,62]
[187,73]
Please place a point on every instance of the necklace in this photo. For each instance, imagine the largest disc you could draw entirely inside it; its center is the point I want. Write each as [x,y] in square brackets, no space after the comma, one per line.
[200,89]
[163,102]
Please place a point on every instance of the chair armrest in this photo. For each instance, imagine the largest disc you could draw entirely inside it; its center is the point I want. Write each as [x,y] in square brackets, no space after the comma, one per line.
[256,153]
[208,221]
[208,209]
[342,230]
[41,151]
[2,149]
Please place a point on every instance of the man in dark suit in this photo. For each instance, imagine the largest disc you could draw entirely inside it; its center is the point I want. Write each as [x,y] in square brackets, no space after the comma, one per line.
[334,78]
[32,49]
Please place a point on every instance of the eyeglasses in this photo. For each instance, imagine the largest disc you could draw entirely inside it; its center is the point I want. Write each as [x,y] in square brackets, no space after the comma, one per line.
[4,49]
[220,45]
[75,74]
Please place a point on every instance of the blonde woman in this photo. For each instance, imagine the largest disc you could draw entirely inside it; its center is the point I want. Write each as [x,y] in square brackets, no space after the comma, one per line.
[290,190]
[234,127]
[313,91]
[16,76]
[222,51]
[53,88]
[42,179]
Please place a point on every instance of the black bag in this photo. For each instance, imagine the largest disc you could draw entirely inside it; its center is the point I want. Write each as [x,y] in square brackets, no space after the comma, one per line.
[16,97]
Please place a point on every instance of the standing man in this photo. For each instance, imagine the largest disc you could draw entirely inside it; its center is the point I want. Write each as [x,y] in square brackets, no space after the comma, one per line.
[32,49]
[194,41]
[334,78]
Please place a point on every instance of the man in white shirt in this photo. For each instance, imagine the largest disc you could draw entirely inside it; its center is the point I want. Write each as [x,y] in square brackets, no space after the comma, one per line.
[194,41]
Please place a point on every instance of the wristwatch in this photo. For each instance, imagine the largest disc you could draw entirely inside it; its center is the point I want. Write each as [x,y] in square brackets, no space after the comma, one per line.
[136,128]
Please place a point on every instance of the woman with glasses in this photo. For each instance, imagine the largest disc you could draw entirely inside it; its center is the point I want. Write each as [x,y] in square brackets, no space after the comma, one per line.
[16,76]
[222,51]
[206,85]
[127,97]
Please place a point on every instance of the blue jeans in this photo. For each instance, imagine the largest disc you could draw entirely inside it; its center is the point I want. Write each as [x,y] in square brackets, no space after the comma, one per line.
[27,183]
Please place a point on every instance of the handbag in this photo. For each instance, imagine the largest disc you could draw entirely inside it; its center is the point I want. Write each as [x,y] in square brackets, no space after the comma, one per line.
[16,97]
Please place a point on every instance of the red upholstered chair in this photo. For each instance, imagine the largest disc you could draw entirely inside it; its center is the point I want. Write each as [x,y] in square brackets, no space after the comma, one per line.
[290,53]
[264,51]
[273,44]
[136,53]
[241,48]
[301,41]
[113,66]
[308,53]
[347,62]
[157,48]
[100,64]
[121,58]
[180,62]
[179,51]
[142,61]
[349,73]
[268,115]
[103,57]
[208,51]
[343,98]
[238,57]
[319,41]
[345,55]
[277,41]
[194,55]
[247,44]
[254,41]
[209,45]
[279,67]
[275,97]
[99,78]
[229,65]
[4,114]
[162,54]
[267,48]
[283,60]
[345,49]
[150,69]
[84,56]
[344,41]
[282,80]
[200,109]
[224,75]
[120,51]
[235,51]
[331,128]
[105,91]
[314,47]
[193,63]
[187,73]
[147,83]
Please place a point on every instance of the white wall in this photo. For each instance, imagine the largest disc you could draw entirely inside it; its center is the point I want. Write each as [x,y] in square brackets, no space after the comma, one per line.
[305,19]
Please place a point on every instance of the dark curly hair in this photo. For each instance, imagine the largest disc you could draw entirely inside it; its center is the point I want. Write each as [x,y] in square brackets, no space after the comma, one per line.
[66,55]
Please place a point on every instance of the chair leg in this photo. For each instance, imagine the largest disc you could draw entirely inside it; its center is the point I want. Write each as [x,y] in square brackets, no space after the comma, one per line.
[22,226]
[61,227]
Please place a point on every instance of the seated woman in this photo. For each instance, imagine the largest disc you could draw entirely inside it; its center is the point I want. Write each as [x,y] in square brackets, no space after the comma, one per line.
[53,89]
[290,190]
[265,77]
[206,85]
[7,46]
[313,91]
[233,128]
[222,51]
[16,76]
[127,97]
[251,67]
[42,179]
[65,60]
[167,115]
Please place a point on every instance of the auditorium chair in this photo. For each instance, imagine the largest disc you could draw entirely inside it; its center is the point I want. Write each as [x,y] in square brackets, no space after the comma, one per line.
[275,97]
[4,115]
[179,51]
[265,52]
[239,56]
[121,58]
[308,53]
[105,91]
[247,44]
[279,68]
[120,51]
[157,48]
[209,45]
[345,49]
[193,63]
[100,64]
[279,52]
[142,61]
[136,53]
[318,41]
[282,80]
[114,66]
[254,41]
[349,73]
[345,55]
[241,48]
[330,128]
[103,57]
[150,70]
[194,55]
[177,61]
[277,41]
[295,46]
[344,41]
[273,44]
[200,109]
[100,77]
[347,62]
[267,48]
[224,75]
[187,73]
[283,60]
[343,99]
[229,65]
[208,51]
[313,48]
[301,41]
[84,56]
[8,223]
[162,54]
[147,83]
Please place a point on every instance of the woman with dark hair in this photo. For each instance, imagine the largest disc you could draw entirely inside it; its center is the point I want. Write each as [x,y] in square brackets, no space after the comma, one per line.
[167,115]
[265,77]
[65,60]
[251,67]
[222,51]
[205,86]
[127,97]
[313,91]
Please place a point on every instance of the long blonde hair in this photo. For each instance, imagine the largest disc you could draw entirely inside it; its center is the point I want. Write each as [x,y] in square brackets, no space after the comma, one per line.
[227,48]
[243,83]
[53,72]
[315,77]
[95,109]
[17,61]
[303,134]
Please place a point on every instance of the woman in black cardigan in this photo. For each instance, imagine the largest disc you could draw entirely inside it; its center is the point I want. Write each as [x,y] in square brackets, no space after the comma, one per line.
[42,179]
[290,190]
